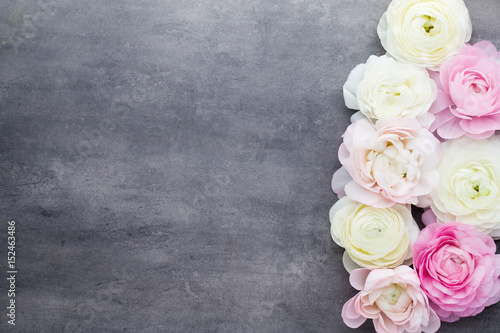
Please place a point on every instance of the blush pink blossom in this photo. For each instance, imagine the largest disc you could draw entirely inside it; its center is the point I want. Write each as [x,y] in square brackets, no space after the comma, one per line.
[458,269]
[393,161]
[468,100]
[392,298]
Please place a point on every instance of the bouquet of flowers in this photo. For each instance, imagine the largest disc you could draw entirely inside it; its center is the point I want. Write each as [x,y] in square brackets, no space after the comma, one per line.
[424,135]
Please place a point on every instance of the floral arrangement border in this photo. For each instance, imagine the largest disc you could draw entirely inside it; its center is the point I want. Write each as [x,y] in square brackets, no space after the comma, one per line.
[423,135]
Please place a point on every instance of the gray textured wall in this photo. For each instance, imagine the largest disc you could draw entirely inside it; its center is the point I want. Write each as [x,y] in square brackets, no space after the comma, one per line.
[168,161]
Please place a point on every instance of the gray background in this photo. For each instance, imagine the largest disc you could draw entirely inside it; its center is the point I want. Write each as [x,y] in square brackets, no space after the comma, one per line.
[168,161]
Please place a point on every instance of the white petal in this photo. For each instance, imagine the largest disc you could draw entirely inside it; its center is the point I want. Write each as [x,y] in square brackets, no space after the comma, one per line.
[357,116]
[349,264]
[426,119]
[351,86]
[360,194]
[382,31]
[339,180]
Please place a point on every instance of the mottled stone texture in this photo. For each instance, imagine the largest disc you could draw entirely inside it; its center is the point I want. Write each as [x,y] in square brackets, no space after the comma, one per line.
[168,161]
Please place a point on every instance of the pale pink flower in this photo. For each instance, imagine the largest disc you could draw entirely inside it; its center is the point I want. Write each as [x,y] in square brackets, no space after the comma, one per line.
[468,100]
[393,161]
[392,298]
[457,268]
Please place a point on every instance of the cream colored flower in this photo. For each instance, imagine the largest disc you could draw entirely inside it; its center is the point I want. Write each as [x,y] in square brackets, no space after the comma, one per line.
[373,237]
[425,32]
[385,87]
[469,185]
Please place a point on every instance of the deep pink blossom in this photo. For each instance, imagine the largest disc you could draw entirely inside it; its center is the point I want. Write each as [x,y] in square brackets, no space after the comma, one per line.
[458,269]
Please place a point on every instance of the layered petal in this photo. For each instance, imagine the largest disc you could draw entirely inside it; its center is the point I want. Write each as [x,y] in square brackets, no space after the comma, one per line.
[468,190]
[393,161]
[426,33]
[468,96]
[394,300]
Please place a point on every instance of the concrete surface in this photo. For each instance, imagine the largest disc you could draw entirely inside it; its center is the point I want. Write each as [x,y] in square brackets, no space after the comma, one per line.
[168,162]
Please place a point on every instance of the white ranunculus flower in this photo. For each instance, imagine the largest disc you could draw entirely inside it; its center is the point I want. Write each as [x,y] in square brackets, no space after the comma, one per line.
[469,185]
[425,32]
[385,87]
[373,237]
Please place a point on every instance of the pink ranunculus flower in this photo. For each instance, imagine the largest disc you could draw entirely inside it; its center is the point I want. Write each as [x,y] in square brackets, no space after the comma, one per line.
[393,161]
[392,298]
[468,100]
[458,269]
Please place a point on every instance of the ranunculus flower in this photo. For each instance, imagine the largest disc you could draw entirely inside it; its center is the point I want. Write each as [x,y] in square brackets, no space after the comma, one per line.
[393,161]
[469,184]
[373,237]
[392,298]
[468,100]
[425,32]
[457,268]
[385,87]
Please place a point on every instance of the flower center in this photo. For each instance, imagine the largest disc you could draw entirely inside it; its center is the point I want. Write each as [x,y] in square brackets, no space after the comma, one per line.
[394,165]
[453,264]
[394,299]
[457,261]
[429,23]
[476,88]
[392,293]
[376,231]
[472,89]
[475,187]
[473,182]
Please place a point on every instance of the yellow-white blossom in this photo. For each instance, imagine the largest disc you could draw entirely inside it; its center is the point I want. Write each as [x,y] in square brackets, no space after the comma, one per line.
[385,87]
[425,32]
[469,184]
[373,237]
